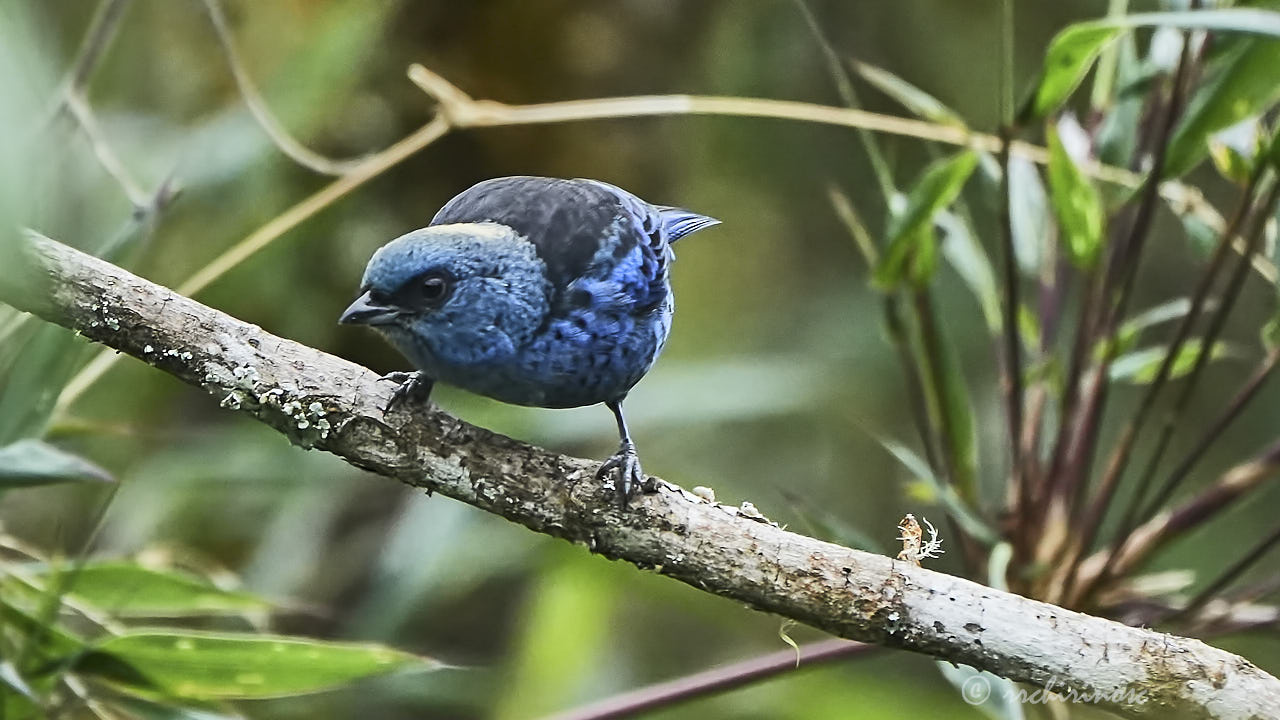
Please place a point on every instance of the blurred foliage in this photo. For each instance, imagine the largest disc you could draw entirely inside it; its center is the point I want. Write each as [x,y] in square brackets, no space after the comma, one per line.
[781,384]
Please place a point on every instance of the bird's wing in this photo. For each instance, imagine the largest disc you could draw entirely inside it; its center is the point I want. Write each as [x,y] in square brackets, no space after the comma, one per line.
[583,229]
[569,222]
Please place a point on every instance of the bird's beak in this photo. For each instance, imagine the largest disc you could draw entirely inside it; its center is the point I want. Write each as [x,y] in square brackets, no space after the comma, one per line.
[366,311]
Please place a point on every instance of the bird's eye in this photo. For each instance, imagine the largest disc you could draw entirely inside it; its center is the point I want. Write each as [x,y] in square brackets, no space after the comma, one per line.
[434,288]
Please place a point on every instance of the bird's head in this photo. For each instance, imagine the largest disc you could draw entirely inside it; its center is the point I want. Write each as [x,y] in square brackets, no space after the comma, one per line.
[461,293]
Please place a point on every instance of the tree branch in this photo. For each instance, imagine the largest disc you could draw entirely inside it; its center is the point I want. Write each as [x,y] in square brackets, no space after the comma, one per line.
[324,402]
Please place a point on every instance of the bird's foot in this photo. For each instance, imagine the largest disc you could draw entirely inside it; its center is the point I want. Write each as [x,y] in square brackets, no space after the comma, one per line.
[413,387]
[630,478]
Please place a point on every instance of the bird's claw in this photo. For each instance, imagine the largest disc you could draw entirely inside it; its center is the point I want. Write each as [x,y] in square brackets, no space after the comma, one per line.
[630,478]
[413,387]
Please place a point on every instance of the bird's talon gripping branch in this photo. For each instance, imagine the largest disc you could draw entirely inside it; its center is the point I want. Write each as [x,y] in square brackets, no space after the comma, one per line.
[414,387]
[630,477]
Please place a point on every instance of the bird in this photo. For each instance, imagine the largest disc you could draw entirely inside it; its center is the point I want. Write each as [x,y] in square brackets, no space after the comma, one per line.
[534,291]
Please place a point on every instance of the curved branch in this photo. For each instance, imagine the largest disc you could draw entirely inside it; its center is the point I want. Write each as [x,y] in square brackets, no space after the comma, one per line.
[321,401]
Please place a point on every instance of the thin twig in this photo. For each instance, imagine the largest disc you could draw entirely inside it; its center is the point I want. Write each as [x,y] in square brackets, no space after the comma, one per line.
[715,680]
[1151,536]
[466,112]
[935,382]
[844,86]
[1104,77]
[1011,366]
[1123,270]
[299,153]
[1131,515]
[900,338]
[1080,347]
[1234,286]
[1125,533]
[1229,575]
[101,32]
[1133,428]
[71,97]
[84,116]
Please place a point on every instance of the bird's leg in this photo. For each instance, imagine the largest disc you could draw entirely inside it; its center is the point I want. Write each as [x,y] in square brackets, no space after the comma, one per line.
[414,387]
[626,462]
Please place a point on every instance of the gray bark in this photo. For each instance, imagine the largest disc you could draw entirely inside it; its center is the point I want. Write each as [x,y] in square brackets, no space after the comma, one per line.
[324,402]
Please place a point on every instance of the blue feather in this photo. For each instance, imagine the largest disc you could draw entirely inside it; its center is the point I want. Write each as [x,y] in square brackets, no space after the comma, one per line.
[678,222]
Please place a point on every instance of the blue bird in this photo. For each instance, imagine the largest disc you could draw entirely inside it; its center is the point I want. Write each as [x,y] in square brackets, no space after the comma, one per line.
[533,291]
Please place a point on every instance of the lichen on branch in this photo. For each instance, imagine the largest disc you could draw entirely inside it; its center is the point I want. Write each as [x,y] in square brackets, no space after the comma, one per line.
[321,401]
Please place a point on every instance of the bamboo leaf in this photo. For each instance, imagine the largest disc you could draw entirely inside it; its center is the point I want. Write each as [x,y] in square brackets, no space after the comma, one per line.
[939,491]
[1141,366]
[916,101]
[1131,330]
[137,708]
[938,187]
[131,590]
[1076,203]
[1071,53]
[34,381]
[1028,213]
[1073,50]
[972,264]
[1246,84]
[956,404]
[51,639]
[226,666]
[10,677]
[1270,334]
[30,462]
[912,253]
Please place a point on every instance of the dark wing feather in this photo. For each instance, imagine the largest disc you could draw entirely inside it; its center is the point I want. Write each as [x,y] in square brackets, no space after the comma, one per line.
[570,221]
[567,221]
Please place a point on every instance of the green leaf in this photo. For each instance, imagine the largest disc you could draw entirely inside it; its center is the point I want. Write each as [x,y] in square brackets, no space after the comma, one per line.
[1117,135]
[137,708]
[1070,55]
[947,393]
[937,188]
[1131,330]
[1071,52]
[130,590]
[34,462]
[1028,213]
[1230,162]
[228,666]
[821,522]
[34,381]
[1141,366]
[51,639]
[912,254]
[916,101]
[941,492]
[1200,231]
[907,258]
[10,677]
[972,264]
[1270,334]
[1076,203]
[1245,85]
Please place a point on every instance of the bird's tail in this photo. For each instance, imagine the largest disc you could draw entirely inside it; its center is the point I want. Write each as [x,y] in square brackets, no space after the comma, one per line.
[679,222]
